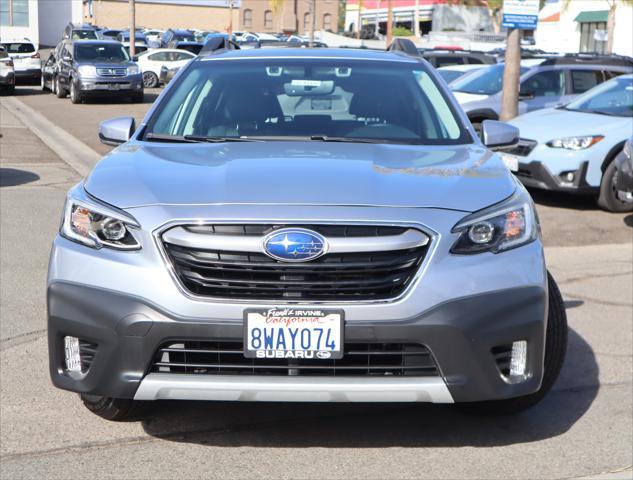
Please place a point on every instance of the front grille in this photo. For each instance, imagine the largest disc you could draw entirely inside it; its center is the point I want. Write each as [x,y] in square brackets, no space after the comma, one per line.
[360,359]
[524,148]
[111,72]
[331,277]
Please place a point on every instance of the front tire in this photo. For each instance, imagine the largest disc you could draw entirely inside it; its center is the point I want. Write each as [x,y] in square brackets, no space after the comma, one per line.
[75,96]
[60,92]
[555,349]
[150,80]
[114,409]
[608,198]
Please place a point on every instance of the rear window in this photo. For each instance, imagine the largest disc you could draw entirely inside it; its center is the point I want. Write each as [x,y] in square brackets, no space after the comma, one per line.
[83,35]
[448,61]
[19,47]
[184,37]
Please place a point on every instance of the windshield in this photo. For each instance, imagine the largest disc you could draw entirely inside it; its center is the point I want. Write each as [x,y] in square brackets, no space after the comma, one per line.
[84,35]
[297,99]
[100,53]
[486,81]
[613,98]
[450,75]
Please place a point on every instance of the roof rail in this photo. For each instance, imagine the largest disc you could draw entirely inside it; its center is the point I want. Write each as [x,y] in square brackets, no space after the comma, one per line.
[404,45]
[590,59]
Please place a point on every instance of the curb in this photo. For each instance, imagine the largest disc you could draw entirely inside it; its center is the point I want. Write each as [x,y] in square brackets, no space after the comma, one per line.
[79,156]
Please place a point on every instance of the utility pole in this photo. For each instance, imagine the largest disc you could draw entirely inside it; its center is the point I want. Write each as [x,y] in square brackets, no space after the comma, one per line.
[511,73]
[132,28]
[360,7]
[230,29]
[416,19]
[313,18]
[389,22]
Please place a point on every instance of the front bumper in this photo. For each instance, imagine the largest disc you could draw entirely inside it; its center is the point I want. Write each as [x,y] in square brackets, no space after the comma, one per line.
[109,85]
[460,334]
[535,174]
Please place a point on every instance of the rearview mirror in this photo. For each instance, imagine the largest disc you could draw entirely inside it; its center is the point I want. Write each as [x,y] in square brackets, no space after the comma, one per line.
[117,130]
[499,136]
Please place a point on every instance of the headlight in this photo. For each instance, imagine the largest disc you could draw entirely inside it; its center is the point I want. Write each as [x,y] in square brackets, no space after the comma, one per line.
[575,143]
[628,148]
[97,226]
[87,70]
[507,225]
[133,70]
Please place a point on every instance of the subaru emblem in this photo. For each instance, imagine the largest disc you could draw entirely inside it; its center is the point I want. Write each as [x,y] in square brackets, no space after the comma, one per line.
[294,245]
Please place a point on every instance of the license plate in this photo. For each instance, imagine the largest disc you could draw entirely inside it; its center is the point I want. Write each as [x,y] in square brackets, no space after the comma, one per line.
[293,333]
[113,86]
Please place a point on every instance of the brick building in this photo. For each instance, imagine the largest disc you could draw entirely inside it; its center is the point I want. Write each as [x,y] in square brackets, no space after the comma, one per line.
[249,15]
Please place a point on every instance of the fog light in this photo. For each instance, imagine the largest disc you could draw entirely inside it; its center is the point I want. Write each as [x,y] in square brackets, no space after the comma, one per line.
[518,361]
[71,354]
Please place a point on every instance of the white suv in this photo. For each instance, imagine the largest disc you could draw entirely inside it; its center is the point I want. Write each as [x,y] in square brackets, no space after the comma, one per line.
[26,59]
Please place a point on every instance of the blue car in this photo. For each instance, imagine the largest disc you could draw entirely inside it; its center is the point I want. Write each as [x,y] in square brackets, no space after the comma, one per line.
[572,148]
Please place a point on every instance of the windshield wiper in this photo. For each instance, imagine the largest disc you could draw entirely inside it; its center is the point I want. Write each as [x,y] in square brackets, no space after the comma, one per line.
[212,139]
[158,137]
[325,138]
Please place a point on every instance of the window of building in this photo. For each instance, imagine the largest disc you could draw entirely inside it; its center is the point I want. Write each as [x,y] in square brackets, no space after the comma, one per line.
[268,19]
[327,21]
[593,37]
[14,13]
[247,18]
[306,21]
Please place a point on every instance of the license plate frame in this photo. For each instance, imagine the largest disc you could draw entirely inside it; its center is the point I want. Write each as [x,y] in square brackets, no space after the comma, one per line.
[114,86]
[287,318]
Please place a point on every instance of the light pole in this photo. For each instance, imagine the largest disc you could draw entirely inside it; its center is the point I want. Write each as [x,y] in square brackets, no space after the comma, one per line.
[313,18]
[511,73]
[389,22]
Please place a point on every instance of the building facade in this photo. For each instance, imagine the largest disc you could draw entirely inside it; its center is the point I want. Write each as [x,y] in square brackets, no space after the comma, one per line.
[581,26]
[41,21]
[288,16]
[164,14]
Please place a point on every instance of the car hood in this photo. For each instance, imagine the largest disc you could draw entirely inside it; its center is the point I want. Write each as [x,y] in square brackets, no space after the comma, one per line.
[550,123]
[465,178]
[463,97]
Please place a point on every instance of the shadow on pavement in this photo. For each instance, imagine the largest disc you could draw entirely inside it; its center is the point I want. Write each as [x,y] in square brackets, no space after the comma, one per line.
[628,220]
[564,200]
[150,95]
[12,177]
[301,425]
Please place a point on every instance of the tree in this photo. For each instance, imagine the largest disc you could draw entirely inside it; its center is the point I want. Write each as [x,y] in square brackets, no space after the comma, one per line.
[613,6]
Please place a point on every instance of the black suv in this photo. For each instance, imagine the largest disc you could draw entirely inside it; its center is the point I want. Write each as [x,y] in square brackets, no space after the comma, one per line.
[96,67]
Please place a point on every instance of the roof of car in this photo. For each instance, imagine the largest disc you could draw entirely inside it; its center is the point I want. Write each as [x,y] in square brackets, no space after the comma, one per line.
[93,41]
[331,53]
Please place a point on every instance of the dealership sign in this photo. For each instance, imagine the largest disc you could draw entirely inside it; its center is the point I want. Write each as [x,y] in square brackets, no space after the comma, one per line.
[520,14]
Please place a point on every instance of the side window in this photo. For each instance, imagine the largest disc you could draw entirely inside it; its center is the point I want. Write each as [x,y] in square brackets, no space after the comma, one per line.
[550,83]
[609,74]
[583,80]
[158,57]
[475,61]
[182,56]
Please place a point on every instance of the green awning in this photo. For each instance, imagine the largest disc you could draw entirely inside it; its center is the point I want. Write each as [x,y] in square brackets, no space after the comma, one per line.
[593,16]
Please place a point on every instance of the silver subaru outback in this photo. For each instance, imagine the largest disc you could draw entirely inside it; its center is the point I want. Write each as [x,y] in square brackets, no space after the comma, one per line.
[305,226]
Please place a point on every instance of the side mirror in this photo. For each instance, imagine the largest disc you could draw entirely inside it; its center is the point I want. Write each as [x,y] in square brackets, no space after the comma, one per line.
[67,58]
[499,136]
[117,130]
[526,95]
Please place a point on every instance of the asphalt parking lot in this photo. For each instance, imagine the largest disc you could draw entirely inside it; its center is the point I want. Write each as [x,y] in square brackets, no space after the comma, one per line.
[583,428]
